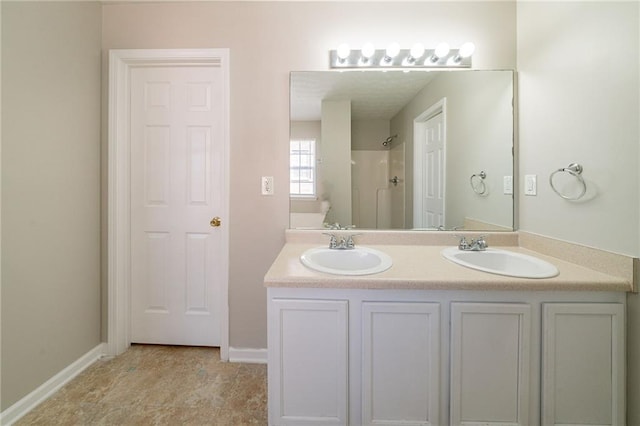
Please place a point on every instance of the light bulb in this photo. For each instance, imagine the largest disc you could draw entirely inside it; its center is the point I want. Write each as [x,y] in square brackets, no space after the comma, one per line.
[417,50]
[442,50]
[343,51]
[393,49]
[466,50]
[368,50]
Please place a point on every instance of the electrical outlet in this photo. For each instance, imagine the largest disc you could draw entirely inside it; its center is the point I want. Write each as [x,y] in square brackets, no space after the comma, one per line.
[267,185]
[530,185]
[507,185]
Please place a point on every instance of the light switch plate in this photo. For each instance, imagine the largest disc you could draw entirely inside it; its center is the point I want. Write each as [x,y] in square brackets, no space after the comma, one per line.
[507,185]
[267,185]
[530,185]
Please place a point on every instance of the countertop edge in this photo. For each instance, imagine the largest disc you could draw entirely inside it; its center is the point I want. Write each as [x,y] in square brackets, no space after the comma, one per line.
[287,272]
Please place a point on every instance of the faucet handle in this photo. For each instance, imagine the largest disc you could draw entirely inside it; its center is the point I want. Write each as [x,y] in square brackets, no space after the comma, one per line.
[349,241]
[463,244]
[480,242]
[333,241]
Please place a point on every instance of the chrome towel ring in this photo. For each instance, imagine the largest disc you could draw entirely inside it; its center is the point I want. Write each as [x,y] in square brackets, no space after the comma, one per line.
[479,187]
[575,170]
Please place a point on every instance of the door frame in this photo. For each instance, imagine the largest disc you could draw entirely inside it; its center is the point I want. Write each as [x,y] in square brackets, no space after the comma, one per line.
[419,123]
[121,61]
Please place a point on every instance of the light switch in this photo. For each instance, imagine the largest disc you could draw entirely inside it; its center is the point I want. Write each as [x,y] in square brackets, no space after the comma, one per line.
[530,185]
[267,185]
[507,185]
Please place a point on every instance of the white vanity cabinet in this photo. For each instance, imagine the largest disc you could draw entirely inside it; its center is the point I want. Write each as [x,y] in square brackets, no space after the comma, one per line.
[583,372]
[427,357]
[490,368]
[308,347]
[400,363]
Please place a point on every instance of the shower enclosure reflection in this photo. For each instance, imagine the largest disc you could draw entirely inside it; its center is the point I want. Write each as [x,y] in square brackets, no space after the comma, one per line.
[397,150]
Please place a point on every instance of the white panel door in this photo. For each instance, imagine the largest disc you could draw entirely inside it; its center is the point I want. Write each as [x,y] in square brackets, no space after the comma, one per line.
[400,363]
[433,172]
[429,134]
[490,346]
[308,364]
[177,187]
[583,370]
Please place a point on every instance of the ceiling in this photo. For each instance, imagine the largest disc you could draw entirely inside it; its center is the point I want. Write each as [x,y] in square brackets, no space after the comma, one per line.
[373,94]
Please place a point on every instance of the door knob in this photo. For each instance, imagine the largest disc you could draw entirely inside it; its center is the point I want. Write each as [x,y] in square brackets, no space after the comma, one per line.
[215,222]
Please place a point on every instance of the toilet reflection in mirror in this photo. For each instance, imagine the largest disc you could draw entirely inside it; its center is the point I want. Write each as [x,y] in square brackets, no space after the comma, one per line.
[396,150]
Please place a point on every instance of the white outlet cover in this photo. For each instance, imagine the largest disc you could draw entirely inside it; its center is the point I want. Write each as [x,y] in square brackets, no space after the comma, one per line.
[507,185]
[266,185]
[530,185]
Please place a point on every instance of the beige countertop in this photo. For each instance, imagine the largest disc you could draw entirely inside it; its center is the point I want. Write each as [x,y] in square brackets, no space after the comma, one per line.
[422,267]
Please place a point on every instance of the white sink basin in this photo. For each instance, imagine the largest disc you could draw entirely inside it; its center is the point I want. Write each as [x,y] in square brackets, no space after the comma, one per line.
[502,262]
[357,261]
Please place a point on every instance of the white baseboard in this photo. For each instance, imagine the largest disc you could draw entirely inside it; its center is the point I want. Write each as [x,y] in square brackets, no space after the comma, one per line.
[44,391]
[249,356]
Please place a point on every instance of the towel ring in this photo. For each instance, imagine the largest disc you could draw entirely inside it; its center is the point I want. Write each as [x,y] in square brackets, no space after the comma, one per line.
[481,188]
[575,170]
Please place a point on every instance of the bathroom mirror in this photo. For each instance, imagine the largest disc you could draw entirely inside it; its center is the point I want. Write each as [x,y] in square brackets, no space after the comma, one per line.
[402,150]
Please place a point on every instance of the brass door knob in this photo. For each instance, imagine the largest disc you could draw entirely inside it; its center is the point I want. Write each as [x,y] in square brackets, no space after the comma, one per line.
[215,222]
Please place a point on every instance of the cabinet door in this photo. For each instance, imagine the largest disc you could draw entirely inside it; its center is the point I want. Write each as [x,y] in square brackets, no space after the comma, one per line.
[400,363]
[490,346]
[308,357]
[583,364]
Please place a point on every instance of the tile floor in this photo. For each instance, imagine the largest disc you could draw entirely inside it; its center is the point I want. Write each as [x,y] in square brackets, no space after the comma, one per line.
[159,385]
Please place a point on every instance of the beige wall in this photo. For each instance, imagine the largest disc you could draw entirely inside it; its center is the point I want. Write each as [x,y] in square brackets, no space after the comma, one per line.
[267,40]
[570,110]
[584,107]
[50,190]
[368,135]
[51,307]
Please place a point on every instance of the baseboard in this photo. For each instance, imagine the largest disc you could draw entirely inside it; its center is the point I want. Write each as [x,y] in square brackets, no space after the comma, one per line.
[249,356]
[30,401]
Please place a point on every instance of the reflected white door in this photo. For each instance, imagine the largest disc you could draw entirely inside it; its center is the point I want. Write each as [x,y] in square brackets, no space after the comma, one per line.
[429,167]
[177,187]
[433,172]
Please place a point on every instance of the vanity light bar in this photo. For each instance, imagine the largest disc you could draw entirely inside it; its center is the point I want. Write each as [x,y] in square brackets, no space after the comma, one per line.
[394,57]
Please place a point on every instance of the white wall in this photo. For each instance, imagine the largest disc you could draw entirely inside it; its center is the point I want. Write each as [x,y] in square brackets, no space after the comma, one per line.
[336,159]
[579,87]
[50,190]
[479,138]
[397,158]
[370,193]
[371,196]
[0,200]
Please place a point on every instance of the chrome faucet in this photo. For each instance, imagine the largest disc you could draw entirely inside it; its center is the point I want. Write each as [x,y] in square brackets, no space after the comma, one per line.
[345,243]
[478,244]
